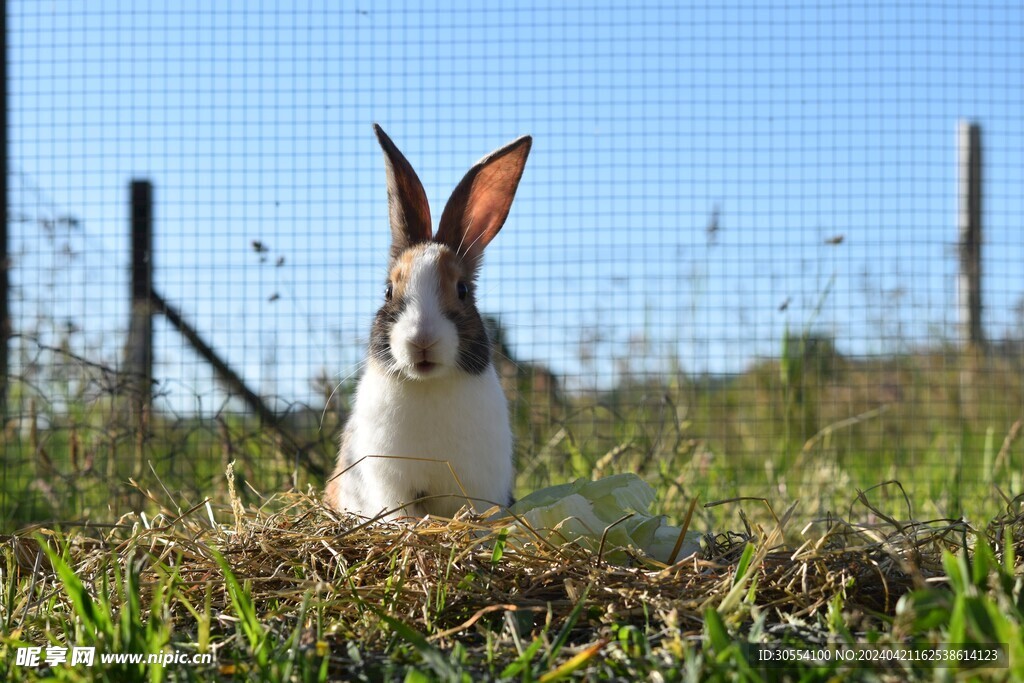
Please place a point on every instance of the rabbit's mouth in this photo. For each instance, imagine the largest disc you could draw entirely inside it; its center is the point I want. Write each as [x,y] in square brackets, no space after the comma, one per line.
[424,367]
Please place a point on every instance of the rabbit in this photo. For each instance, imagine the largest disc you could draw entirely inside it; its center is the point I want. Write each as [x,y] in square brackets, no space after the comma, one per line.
[429,430]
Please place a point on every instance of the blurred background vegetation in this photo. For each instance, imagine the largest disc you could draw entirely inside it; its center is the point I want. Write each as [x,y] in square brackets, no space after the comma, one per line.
[809,425]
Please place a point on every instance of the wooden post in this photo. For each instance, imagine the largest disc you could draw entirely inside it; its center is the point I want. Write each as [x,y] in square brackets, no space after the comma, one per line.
[139,349]
[969,219]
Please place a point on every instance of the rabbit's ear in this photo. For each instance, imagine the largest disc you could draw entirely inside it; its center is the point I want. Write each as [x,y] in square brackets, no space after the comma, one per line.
[407,202]
[480,203]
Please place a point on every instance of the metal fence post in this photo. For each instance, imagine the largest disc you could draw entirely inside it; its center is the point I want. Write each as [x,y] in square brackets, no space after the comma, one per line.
[139,349]
[969,219]
[5,314]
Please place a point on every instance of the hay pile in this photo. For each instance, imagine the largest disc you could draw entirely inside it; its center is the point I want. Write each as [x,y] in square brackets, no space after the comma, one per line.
[453,580]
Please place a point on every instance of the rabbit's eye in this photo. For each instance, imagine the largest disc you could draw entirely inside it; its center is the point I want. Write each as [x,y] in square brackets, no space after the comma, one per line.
[389,290]
[463,290]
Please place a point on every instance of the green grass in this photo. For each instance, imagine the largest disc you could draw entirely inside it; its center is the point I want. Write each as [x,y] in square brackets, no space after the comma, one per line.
[812,425]
[811,429]
[266,597]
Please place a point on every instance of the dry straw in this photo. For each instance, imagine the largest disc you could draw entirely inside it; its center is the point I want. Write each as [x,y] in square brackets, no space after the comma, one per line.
[449,579]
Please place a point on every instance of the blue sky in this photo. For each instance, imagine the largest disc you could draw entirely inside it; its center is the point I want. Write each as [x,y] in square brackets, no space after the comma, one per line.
[800,122]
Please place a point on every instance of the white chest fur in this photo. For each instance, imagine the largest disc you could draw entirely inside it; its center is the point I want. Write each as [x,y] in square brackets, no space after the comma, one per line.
[436,435]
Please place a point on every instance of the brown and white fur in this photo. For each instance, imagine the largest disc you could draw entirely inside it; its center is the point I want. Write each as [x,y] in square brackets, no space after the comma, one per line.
[429,431]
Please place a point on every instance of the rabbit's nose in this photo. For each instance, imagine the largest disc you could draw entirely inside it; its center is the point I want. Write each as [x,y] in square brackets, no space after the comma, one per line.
[423,340]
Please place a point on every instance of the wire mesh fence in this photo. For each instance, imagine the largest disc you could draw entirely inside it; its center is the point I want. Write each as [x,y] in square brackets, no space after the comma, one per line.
[732,263]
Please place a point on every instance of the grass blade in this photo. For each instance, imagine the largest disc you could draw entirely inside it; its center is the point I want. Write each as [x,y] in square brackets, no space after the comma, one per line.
[251,625]
[570,623]
[431,655]
[96,620]
[573,663]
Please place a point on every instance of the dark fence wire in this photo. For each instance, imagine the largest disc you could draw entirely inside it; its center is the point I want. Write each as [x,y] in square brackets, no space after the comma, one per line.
[733,251]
